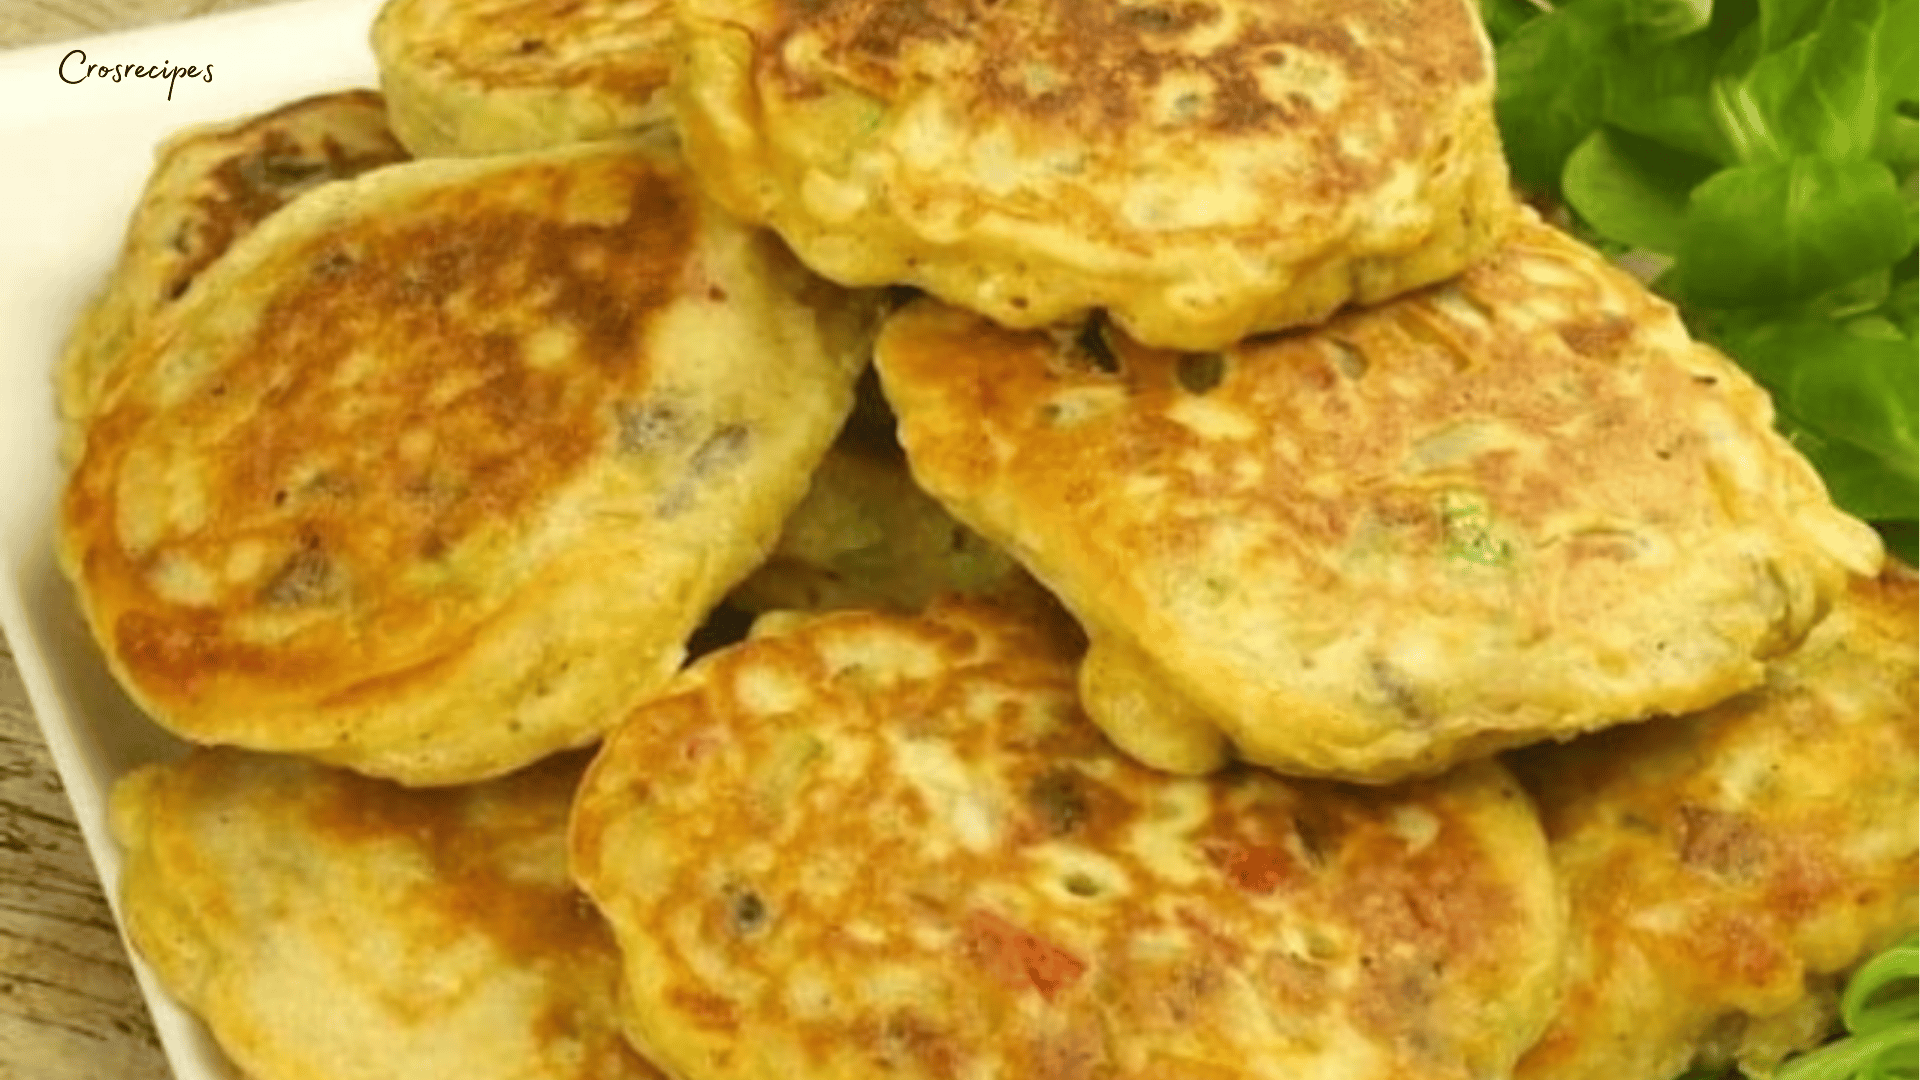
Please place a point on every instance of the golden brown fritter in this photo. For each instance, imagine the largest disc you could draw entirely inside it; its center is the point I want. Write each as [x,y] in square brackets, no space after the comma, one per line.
[1724,866]
[440,467]
[1518,506]
[861,846]
[1203,170]
[211,184]
[332,927]
[494,76]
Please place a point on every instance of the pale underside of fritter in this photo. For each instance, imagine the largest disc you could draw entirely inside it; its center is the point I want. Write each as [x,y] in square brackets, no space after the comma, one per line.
[445,463]
[1517,506]
[866,537]
[332,927]
[465,77]
[1201,170]
[1724,866]
[210,186]
[874,846]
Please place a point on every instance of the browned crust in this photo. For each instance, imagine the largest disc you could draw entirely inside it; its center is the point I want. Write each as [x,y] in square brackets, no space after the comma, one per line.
[1105,59]
[1722,866]
[753,830]
[210,186]
[475,867]
[1202,171]
[1348,546]
[270,164]
[501,445]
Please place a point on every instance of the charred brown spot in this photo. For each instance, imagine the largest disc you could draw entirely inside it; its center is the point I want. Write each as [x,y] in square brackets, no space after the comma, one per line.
[1056,798]
[308,577]
[1720,843]
[1063,801]
[1199,373]
[746,912]
[1081,885]
[1601,338]
[1092,344]
[1321,830]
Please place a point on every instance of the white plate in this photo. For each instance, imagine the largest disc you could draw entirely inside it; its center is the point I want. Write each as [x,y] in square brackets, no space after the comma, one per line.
[75,158]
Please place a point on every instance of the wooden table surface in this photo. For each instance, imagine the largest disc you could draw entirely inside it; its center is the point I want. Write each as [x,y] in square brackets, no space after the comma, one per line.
[69,1009]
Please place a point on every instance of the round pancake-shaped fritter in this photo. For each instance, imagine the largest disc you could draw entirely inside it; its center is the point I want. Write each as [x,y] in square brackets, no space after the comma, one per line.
[1203,170]
[866,845]
[466,77]
[211,184]
[1517,506]
[328,926]
[439,468]
[866,537]
[1724,865]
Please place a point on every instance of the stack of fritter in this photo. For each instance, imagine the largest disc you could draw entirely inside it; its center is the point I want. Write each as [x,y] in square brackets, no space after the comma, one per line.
[1294,470]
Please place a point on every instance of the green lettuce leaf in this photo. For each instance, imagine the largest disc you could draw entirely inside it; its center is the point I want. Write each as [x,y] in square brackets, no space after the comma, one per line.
[1769,233]
[1550,92]
[1829,92]
[1632,189]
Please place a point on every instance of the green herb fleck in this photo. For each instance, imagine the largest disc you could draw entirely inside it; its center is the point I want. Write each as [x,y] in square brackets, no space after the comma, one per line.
[1468,528]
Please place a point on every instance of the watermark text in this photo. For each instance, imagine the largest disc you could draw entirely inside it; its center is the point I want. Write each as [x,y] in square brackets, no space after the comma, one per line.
[75,69]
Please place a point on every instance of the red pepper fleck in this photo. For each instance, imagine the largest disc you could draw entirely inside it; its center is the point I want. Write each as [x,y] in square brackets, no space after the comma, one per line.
[1018,958]
[700,744]
[1254,868]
